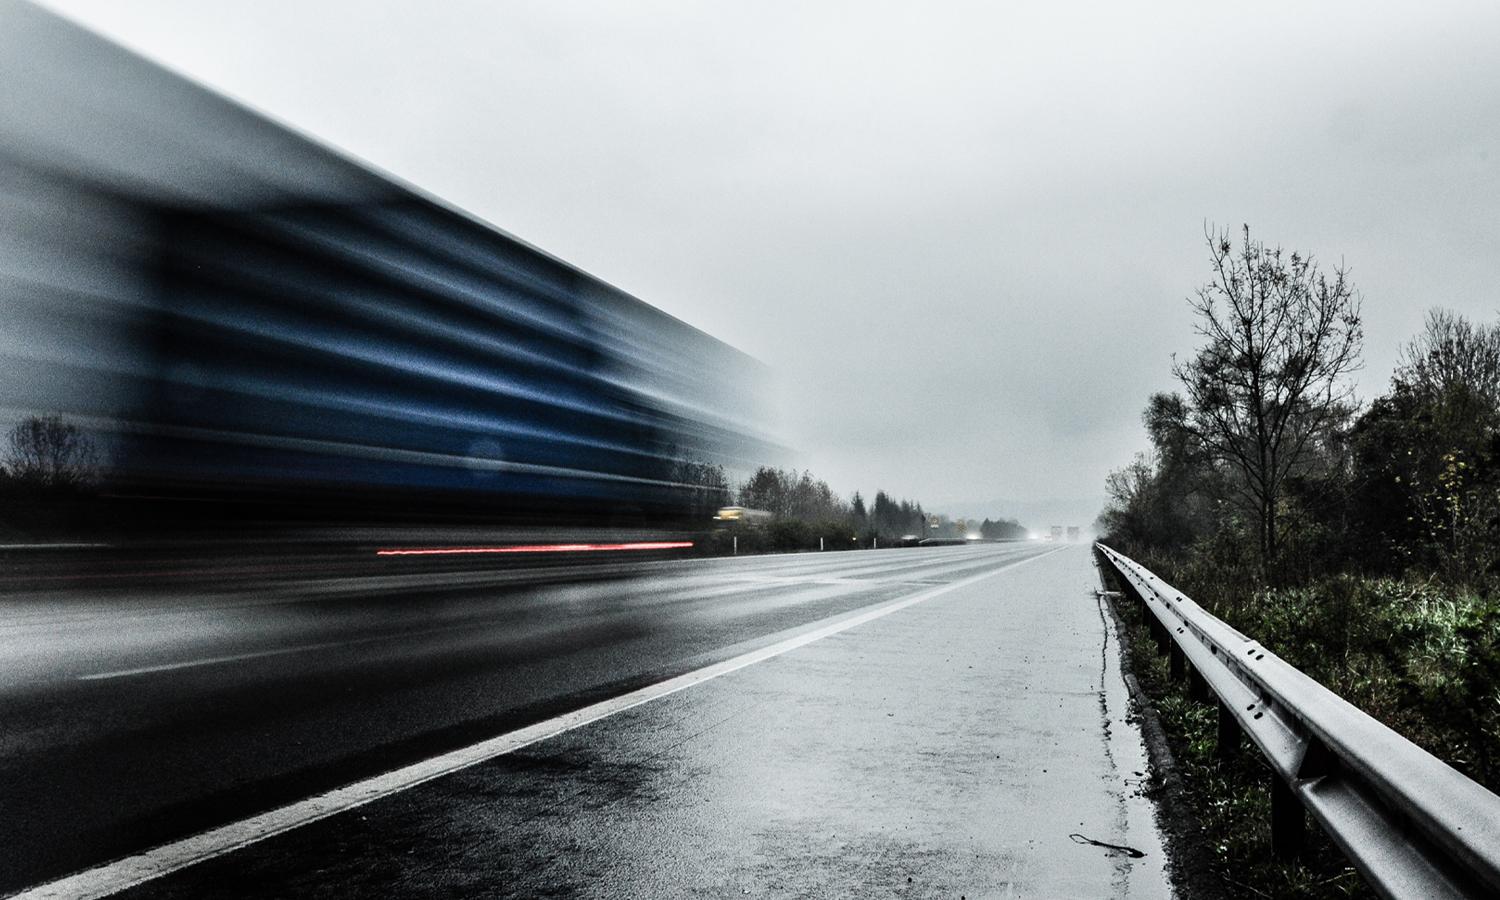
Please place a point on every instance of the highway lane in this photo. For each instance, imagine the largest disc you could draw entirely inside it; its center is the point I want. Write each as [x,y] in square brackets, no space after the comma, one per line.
[145,715]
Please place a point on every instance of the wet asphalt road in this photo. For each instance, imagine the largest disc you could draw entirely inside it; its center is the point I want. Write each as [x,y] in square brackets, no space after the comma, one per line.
[140,715]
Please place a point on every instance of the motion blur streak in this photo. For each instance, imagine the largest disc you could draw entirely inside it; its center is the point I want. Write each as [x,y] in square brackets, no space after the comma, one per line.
[255,371]
[542,548]
[254,328]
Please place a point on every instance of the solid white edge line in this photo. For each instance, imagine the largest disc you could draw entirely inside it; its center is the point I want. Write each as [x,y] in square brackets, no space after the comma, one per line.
[122,874]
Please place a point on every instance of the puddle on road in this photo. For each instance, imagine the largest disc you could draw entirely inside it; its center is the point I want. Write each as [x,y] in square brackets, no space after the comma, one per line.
[1140,873]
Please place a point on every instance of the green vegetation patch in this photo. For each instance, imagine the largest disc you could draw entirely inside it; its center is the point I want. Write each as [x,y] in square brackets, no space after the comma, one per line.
[1231,799]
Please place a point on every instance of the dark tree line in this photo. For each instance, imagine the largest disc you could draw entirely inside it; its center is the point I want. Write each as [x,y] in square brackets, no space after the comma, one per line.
[800,503]
[893,519]
[1423,461]
[1409,482]
[1361,541]
[1002,530]
[804,509]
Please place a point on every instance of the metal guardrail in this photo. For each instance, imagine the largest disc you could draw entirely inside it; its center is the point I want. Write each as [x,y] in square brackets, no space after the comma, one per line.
[1411,824]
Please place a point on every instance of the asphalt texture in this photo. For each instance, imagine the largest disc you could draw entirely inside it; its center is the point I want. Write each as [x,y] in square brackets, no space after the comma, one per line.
[971,745]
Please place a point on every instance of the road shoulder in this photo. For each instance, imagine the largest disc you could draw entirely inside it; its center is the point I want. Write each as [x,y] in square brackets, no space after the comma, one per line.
[966,746]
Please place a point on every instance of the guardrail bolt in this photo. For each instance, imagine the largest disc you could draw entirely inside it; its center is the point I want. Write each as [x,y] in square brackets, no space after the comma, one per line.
[1288,820]
[1227,738]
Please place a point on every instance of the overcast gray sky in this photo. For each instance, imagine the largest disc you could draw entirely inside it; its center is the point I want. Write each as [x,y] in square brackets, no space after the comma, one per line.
[961,234]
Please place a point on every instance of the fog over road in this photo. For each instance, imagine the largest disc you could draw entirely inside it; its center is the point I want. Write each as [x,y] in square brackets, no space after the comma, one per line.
[961,739]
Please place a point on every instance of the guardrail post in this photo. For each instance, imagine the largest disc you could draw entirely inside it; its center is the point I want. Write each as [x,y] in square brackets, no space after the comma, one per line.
[1228,735]
[1133,605]
[1197,685]
[1158,631]
[1288,820]
[1176,659]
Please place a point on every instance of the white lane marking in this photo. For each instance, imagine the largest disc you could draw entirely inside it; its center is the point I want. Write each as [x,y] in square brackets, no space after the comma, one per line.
[738,584]
[131,871]
[282,651]
[737,587]
[216,660]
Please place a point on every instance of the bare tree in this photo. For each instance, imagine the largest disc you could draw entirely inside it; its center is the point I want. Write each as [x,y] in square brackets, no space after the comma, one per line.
[1127,511]
[1270,380]
[1445,403]
[705,486]
[45,451]
[1454,364]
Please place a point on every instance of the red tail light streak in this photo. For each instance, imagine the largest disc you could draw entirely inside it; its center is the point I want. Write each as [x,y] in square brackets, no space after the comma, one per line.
[538,548]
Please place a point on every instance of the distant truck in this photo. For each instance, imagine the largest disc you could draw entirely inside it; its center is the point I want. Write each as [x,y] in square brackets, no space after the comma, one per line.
[1057,533]
[1073,533]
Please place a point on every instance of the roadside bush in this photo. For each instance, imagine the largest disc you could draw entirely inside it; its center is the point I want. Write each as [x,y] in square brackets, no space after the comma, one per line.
[1449,668]
[1230,799]
[1421,657]
[786,535]
[1213,570]
[781,536]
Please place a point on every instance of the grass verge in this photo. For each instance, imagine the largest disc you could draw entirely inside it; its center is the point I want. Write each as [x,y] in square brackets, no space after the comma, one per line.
[1229,800]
